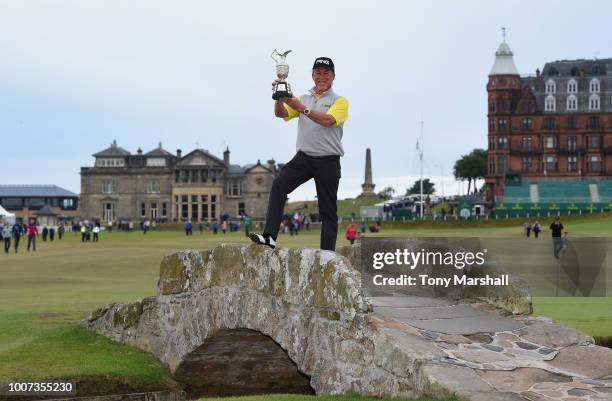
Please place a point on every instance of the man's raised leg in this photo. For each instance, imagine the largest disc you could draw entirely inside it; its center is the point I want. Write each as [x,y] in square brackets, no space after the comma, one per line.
[291,176]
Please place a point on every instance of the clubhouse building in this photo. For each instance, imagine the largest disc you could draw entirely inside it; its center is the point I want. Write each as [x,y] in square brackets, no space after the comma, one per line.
[162,186]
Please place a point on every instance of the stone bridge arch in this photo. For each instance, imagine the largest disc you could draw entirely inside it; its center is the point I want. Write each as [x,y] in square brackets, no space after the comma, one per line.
[310,302]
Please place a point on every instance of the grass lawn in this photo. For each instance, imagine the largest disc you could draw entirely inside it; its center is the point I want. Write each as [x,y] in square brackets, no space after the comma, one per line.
[44,294]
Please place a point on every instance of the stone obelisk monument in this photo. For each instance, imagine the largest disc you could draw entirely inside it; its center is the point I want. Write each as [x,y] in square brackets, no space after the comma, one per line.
[368,185]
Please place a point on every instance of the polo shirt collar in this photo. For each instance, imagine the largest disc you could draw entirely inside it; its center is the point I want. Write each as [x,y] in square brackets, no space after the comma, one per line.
[313,92]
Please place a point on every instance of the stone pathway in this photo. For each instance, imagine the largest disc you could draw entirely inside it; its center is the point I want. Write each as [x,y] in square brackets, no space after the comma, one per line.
[493,357]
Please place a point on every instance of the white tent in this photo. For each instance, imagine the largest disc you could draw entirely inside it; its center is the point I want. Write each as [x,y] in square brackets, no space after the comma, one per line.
[6,216]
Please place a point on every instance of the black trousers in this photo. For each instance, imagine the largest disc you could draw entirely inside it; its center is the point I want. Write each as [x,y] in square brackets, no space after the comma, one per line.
[326,172]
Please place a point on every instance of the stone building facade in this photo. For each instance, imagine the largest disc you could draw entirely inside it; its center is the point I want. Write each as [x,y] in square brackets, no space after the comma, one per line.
[555,124]
[165,187]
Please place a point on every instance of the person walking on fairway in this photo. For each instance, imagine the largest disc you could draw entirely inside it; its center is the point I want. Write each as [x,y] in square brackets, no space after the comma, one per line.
[321,116]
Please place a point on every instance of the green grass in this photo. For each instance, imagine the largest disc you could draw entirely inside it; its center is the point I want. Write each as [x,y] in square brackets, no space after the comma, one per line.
[44,294]
[345,206]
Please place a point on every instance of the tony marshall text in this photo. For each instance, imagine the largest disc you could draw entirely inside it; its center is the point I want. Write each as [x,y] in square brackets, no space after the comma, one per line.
[424,279]
[423,257]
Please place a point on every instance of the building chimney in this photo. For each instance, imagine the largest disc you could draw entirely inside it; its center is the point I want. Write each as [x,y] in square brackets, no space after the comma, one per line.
[272,165]
[226,156]
[537,72]
[178,153]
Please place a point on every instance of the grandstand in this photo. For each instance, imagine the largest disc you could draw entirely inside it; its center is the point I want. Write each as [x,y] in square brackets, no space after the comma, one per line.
[542,196]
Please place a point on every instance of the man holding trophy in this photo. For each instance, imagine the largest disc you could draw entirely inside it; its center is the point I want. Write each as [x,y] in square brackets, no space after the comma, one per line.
[321,114]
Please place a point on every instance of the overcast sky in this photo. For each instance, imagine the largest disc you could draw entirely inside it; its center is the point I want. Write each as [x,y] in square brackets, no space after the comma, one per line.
[75,75]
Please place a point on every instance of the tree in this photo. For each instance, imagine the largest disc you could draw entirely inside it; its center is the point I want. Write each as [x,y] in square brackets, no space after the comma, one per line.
[471,167]
[386,193]
[428,187]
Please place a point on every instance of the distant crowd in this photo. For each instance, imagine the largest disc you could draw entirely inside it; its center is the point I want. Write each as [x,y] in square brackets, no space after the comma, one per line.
[11,235]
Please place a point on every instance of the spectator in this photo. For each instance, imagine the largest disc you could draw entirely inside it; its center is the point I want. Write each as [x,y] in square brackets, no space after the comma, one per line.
[528,228]
[351,233]
[60,231]
[17,232]
[537,229]
[564,242]
[362,227]
[188,228]
[248,221]
[6,234]
[556,228]
[45,232]
[51,233]
[83,232]
[224,226]
[215,227]
[96,232]
[32,231]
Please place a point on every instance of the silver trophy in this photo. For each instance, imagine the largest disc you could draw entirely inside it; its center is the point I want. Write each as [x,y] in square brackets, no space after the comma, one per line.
[281,88]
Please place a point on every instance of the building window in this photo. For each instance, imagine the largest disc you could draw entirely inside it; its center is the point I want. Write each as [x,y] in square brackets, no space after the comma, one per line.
[527,163]
[110,162]
[571,143]
[549,123]
[502,164]
[204,175]
[491,143]
[503,125]
[204,207]
[184,206]
[595,164]
[593,122]
[572,102]
[68,204]
[550,142]
[164,210]
[492,165]
[572,86]
[213,206]
[551,87]
[143,210]
[108,211]
[594,85]
[527,123]
[212,174]
[492,107]
[194,207]
[153,186]
[572,164]
[594,102]
[594,141]
[184,176]
[234,188]
[241,208]
[571,122]
[550,163]
[153,211]
[491,124]
[156,162]
[527,143]
[549,103]
[108,187]
[502,142]
[12,203]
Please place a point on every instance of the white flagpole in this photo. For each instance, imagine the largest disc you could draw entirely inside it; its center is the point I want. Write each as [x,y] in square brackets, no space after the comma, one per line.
[421,160]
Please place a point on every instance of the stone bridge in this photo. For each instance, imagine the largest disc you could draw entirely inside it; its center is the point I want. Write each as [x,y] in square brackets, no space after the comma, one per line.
[308,306]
